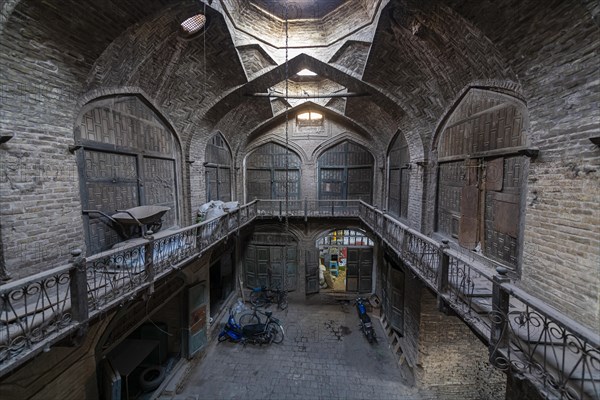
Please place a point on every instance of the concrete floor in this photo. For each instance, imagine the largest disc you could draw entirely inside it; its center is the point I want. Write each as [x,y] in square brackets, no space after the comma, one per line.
[324,356]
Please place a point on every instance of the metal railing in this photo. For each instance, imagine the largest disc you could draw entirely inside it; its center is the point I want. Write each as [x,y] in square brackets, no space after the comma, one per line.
[523,333]
[42,309]
[308,208]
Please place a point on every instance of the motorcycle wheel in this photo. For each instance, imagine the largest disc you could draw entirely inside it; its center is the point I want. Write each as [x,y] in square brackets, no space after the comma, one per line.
[283,303]
[277,332]
[257,299]
[370,336]
[222,337]
[249,318]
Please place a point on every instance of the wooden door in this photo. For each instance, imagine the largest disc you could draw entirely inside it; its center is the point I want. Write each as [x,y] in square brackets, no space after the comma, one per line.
[263,261]
[196,330]
[352,267]
[251,268]
[311,262]
[359,269]
[291,268]
[365,270]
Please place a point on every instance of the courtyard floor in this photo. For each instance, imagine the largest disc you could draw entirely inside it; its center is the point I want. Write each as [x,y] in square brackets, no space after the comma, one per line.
[324,356]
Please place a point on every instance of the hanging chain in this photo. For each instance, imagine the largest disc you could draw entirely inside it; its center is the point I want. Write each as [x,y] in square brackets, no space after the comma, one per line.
[287,155]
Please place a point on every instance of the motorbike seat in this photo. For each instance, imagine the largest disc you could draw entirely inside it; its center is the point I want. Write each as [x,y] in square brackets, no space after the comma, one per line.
[253,329]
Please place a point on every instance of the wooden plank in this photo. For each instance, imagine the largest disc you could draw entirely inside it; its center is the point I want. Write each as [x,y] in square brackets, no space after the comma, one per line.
[506,217]
[494,174]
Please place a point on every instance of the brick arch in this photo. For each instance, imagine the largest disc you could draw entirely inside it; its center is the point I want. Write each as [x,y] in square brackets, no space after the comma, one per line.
[336,116]
[106,93]
[260,84]
[129,157]
[294,147]
[346,137]
[510,89]
[480,179]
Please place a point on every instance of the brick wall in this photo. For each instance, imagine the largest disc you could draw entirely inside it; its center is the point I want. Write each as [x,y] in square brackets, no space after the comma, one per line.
[62,373]
[554,54]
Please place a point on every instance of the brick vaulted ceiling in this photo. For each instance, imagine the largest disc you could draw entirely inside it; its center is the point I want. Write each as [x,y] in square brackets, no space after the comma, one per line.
[412,58]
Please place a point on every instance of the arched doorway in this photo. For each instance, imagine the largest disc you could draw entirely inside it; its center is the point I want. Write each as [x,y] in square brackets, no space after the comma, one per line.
[345,263]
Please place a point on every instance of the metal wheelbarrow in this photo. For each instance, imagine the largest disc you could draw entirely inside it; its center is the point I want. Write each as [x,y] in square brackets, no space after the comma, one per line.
[146,217]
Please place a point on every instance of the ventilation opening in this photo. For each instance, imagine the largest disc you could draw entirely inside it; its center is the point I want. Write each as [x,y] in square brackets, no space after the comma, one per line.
[310,118]
[193,25]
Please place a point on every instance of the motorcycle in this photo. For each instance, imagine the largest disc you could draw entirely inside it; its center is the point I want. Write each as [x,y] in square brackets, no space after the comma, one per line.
[365,321]
[261,333]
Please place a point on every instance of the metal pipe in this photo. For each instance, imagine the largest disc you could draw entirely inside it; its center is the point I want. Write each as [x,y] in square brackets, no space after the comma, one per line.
[317,96]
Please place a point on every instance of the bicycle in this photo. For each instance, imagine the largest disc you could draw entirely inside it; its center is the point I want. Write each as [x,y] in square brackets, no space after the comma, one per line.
[262,296]
[273,324]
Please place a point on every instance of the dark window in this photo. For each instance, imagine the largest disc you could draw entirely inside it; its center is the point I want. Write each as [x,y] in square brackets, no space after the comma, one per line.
[268,169]
[346,173]
[217,169]
[398,178]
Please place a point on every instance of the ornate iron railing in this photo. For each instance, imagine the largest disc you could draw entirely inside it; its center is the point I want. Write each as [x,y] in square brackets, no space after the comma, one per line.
[523,333]
[42,309]
[34,309]
[308,208]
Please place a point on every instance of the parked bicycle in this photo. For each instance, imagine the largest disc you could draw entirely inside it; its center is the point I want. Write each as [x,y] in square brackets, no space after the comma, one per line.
[262,296]
[253,318]
[260,333]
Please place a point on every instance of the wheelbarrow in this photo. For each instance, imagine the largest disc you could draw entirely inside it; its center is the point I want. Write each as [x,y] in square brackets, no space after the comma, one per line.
[146,217]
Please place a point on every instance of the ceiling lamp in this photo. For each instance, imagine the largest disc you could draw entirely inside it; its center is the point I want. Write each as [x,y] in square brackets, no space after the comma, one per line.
[193,25]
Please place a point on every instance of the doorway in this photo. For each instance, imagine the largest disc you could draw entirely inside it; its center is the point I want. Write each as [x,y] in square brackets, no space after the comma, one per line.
[345,263]
[271,260]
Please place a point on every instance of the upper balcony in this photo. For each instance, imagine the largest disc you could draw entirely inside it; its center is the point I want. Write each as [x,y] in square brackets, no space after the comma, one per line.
[523,333]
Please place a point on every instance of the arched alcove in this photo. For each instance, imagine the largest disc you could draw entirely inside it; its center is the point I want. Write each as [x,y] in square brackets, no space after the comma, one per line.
[217,169]
[269,170]
[130,157]
[398,177]
[482,175]
[346,173]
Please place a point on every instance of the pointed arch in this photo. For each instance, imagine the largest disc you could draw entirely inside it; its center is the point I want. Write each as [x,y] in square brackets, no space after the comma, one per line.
[399,167]
[272,172]
[129,157]
[482,173]
[217,168]
[345,172]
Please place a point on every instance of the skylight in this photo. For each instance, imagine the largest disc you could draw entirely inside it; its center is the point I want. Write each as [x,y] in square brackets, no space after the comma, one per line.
[310,118]
[193,24]
[306,72]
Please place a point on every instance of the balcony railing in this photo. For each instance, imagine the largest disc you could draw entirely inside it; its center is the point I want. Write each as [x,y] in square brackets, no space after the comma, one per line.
[524,335]
[45,308]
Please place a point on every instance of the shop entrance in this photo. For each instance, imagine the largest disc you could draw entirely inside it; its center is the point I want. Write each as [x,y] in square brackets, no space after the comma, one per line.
[345,263]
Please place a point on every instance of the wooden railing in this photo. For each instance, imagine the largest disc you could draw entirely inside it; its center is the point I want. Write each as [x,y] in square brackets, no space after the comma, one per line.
[523,333]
